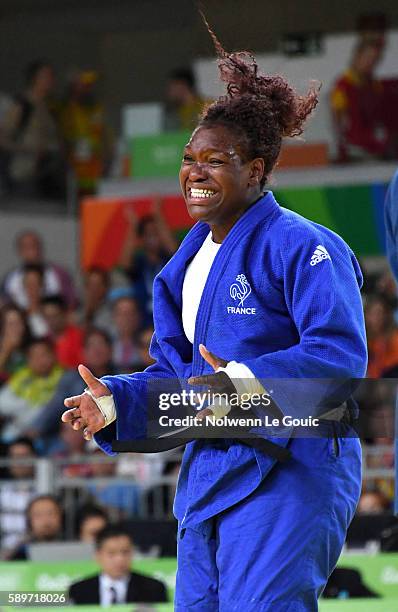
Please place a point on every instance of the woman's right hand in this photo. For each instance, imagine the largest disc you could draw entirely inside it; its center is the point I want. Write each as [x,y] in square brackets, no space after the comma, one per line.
[83,412]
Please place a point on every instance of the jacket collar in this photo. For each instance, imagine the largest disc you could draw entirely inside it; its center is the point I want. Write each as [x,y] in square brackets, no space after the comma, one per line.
[263,209]
[170,279]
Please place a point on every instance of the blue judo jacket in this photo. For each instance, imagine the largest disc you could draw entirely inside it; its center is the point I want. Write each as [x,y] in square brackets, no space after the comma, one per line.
[283,298]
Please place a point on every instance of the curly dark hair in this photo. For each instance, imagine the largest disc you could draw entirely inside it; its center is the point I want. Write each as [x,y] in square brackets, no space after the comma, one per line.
[261,109]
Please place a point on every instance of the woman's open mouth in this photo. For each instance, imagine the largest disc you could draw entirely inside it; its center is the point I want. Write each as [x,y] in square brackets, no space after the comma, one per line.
[200,194]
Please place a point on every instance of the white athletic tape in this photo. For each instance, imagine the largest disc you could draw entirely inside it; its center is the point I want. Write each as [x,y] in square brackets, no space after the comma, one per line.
[243,379]
[106,406]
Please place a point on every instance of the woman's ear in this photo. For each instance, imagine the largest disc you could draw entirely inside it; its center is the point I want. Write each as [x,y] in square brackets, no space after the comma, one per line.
[256,171]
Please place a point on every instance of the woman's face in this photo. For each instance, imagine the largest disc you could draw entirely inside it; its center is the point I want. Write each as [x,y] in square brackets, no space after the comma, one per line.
[41,359]
[97,351]
[126,317]
[215,181]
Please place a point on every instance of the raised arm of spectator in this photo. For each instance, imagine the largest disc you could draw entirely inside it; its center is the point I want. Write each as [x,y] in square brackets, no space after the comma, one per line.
[131,242]
[169,243]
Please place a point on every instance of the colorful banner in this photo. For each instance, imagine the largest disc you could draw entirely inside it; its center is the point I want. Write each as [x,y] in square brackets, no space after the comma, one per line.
[104,225]
[355,212]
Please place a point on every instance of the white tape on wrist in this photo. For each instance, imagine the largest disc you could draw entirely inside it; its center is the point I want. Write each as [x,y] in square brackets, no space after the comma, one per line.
[243,379]
[106,406]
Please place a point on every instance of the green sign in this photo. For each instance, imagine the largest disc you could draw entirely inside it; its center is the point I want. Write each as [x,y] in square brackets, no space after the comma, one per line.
[157,156]
[358,605]
[379,572]
[355,212]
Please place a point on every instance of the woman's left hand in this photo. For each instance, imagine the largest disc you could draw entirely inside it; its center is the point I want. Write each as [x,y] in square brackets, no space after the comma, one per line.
[219,382]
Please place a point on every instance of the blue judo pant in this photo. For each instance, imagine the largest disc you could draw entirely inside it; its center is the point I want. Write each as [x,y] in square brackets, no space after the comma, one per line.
[274,550]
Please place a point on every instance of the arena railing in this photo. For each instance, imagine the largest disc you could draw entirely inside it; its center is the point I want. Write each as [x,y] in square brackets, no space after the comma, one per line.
[126,496]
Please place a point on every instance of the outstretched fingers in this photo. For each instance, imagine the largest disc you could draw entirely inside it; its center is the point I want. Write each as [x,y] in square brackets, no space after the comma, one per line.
[71,414]
[73,402]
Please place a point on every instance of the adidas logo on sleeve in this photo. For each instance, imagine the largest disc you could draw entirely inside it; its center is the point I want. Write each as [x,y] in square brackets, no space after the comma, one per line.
[319,254]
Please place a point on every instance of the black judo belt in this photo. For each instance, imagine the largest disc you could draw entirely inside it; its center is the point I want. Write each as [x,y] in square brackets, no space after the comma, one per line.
[173,439]
[161,444]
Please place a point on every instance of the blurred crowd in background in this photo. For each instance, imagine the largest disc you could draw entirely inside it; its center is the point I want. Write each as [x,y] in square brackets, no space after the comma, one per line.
[46,140]
[47,327]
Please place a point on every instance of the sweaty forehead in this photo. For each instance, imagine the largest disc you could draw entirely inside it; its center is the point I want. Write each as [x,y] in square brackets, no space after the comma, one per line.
[216,138]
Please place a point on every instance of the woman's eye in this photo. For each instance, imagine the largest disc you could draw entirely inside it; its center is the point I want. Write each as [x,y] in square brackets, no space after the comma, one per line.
[187,159]
[215,162]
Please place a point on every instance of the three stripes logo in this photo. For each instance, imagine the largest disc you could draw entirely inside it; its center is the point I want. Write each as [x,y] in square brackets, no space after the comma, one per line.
[319,255]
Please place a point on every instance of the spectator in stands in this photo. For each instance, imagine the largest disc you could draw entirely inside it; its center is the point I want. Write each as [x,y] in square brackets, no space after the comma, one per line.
[92,520]
[347,583]
[95,310]
[372,502]
[97,355]
[67,446]
[14,338]
[67,338]
[16,493]
[126,321]
[382,334]
[33,284]
[30,250]
[148,246]
[118,495]
[44,518]
[85,133]
[144,341]
[386,288]
[357,107]
[30,388]
[183,103]
[29,136]
[116,584]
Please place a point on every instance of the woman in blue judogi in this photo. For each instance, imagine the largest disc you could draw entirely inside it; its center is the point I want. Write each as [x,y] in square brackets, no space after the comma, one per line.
[259,297]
